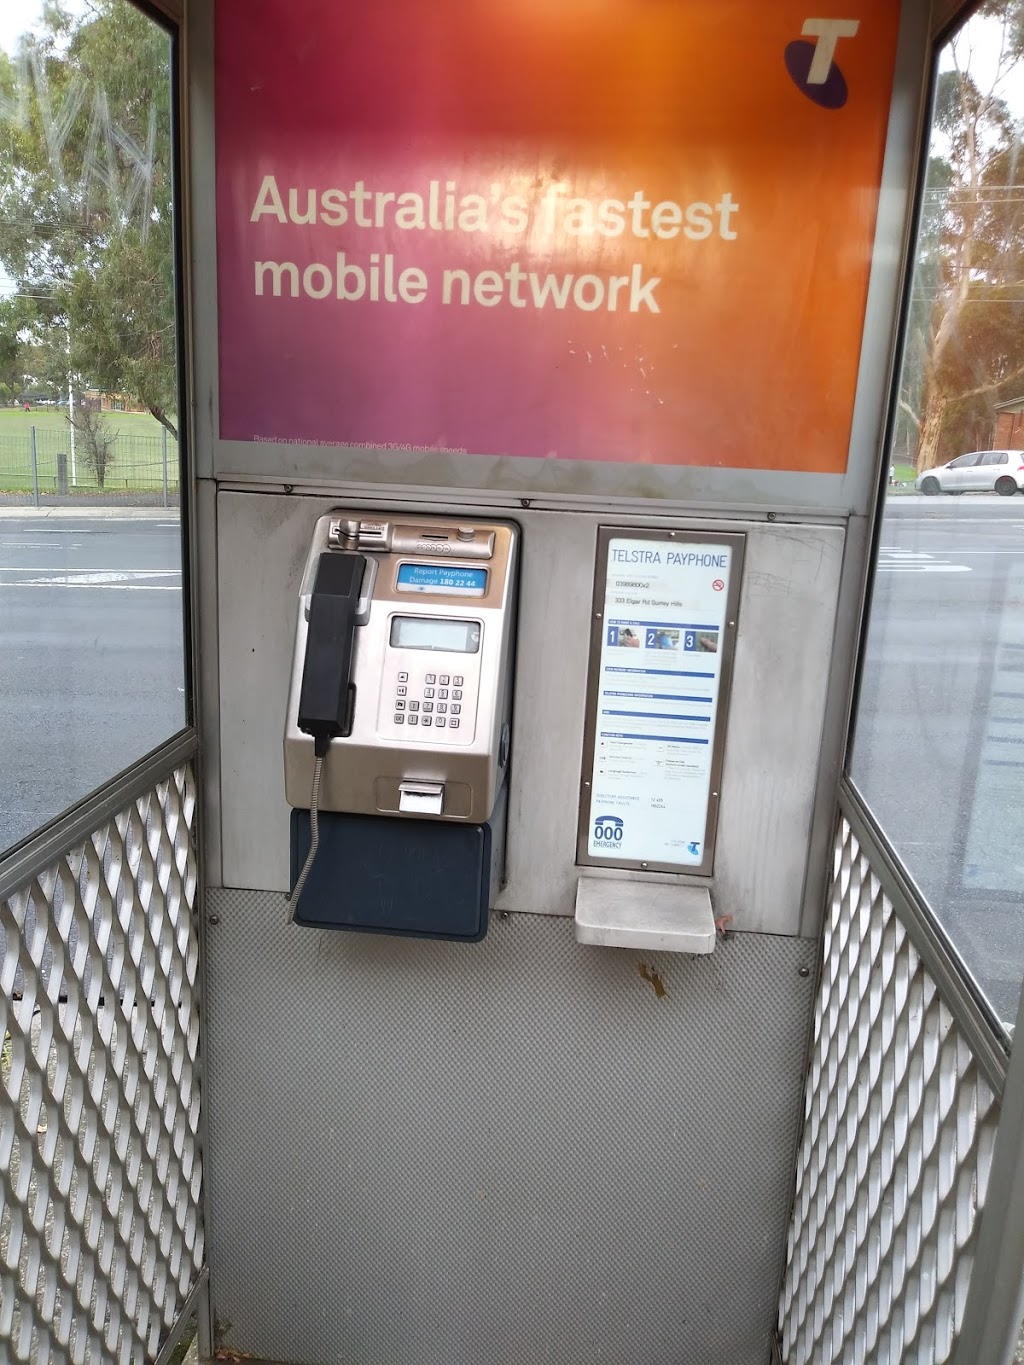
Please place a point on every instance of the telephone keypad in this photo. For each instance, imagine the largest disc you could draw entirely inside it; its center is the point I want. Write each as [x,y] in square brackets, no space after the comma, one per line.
[420,708]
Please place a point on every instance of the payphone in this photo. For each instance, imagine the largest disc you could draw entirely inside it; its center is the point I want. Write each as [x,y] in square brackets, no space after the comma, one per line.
[397,736]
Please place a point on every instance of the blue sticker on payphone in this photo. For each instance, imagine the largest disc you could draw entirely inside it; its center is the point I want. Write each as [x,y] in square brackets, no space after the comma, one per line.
[442,578]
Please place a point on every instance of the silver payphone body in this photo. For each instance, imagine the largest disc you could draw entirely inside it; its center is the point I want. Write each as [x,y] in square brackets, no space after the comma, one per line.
[401,687]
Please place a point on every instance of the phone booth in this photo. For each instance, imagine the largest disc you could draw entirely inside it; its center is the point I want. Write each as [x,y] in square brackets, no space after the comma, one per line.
[540,452]
[540,361]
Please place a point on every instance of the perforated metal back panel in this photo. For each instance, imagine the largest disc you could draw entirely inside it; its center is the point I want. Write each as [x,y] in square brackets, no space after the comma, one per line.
[515,1152]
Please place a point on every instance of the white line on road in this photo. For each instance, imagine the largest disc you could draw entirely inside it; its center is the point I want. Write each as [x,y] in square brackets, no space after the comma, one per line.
[936,523]
[970,550]
[916,561]
[91,578]
[110,587]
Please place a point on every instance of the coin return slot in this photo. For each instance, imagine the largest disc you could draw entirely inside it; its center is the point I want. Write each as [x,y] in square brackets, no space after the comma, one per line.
[421,798]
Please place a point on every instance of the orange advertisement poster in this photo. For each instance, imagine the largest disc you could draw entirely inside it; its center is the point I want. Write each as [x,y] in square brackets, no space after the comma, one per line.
[635,231]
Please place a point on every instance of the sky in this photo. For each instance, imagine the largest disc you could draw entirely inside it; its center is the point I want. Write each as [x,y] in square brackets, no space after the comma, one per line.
[16,17]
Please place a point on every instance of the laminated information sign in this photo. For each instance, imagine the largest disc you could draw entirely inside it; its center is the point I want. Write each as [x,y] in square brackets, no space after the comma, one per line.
[664,628]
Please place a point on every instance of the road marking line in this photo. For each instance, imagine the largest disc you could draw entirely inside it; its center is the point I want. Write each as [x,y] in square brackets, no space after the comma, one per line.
[109,587]
[924,568]
[65,575]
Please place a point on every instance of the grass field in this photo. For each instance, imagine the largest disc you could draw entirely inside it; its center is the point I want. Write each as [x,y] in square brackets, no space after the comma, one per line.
[137,456]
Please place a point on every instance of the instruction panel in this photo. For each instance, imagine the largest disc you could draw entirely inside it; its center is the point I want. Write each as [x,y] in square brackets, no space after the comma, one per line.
[656,709]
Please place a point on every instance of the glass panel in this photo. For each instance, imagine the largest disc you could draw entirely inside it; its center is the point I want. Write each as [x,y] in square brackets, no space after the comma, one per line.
[994,457]
[92,672]
[939,737]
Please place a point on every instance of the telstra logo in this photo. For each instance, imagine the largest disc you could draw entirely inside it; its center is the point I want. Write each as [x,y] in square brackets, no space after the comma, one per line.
[811,65]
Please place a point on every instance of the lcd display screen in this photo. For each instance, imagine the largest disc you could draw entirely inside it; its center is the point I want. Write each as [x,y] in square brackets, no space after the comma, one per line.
[435,632]
[442,578]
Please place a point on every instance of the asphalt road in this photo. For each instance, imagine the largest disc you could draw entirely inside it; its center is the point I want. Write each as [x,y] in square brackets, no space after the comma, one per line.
[91,657]
[91,678]
[939,744]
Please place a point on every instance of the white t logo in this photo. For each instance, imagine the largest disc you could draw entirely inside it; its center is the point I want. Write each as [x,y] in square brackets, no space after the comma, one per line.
[828,32]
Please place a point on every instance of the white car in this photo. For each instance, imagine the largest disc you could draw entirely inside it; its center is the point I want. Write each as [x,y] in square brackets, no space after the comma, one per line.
[979,472]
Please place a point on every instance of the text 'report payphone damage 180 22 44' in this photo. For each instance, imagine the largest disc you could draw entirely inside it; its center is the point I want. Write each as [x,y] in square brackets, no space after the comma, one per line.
[439,229]
[657,700]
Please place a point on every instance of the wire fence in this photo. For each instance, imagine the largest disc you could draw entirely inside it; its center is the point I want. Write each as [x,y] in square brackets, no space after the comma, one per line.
[39,467]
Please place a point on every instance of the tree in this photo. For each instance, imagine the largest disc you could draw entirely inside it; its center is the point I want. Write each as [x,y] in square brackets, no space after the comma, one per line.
[14,364]
[965,348]
[85,194]
[97,441]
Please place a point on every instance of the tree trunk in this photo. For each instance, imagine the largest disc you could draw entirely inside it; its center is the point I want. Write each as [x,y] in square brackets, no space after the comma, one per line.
[931,430]
[164,420]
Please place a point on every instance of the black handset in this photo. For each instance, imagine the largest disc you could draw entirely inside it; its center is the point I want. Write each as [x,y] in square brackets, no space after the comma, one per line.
[324,697]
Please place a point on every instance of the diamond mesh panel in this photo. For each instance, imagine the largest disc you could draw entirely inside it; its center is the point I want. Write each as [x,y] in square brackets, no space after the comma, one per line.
[897,1146]
[100,1170]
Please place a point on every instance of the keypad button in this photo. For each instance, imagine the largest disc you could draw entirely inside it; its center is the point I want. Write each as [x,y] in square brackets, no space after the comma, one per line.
[428,706]
[453,724]
[414,706]
[428,691]
[427,720]
[430,678]
[442,707]
[456,710]
[399,719]
[457,695]
[441,720]
[442,691]
[443,680]
[403,677]
[457,682]
[401,691]
[414,720]
[399,705]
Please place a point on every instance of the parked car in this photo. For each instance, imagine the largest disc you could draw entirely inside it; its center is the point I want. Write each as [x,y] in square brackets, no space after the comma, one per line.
[982,471]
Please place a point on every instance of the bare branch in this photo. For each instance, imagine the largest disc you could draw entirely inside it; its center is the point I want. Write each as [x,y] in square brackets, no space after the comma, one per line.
[993,384]
[905,407]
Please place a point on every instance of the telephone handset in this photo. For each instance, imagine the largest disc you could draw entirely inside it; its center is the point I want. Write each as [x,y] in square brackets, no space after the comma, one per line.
[326,696]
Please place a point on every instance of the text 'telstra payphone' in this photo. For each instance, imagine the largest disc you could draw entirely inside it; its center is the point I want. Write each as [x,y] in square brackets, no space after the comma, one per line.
[398,727]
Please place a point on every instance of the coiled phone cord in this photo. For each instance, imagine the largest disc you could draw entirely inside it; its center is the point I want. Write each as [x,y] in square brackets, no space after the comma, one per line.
[314,832]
